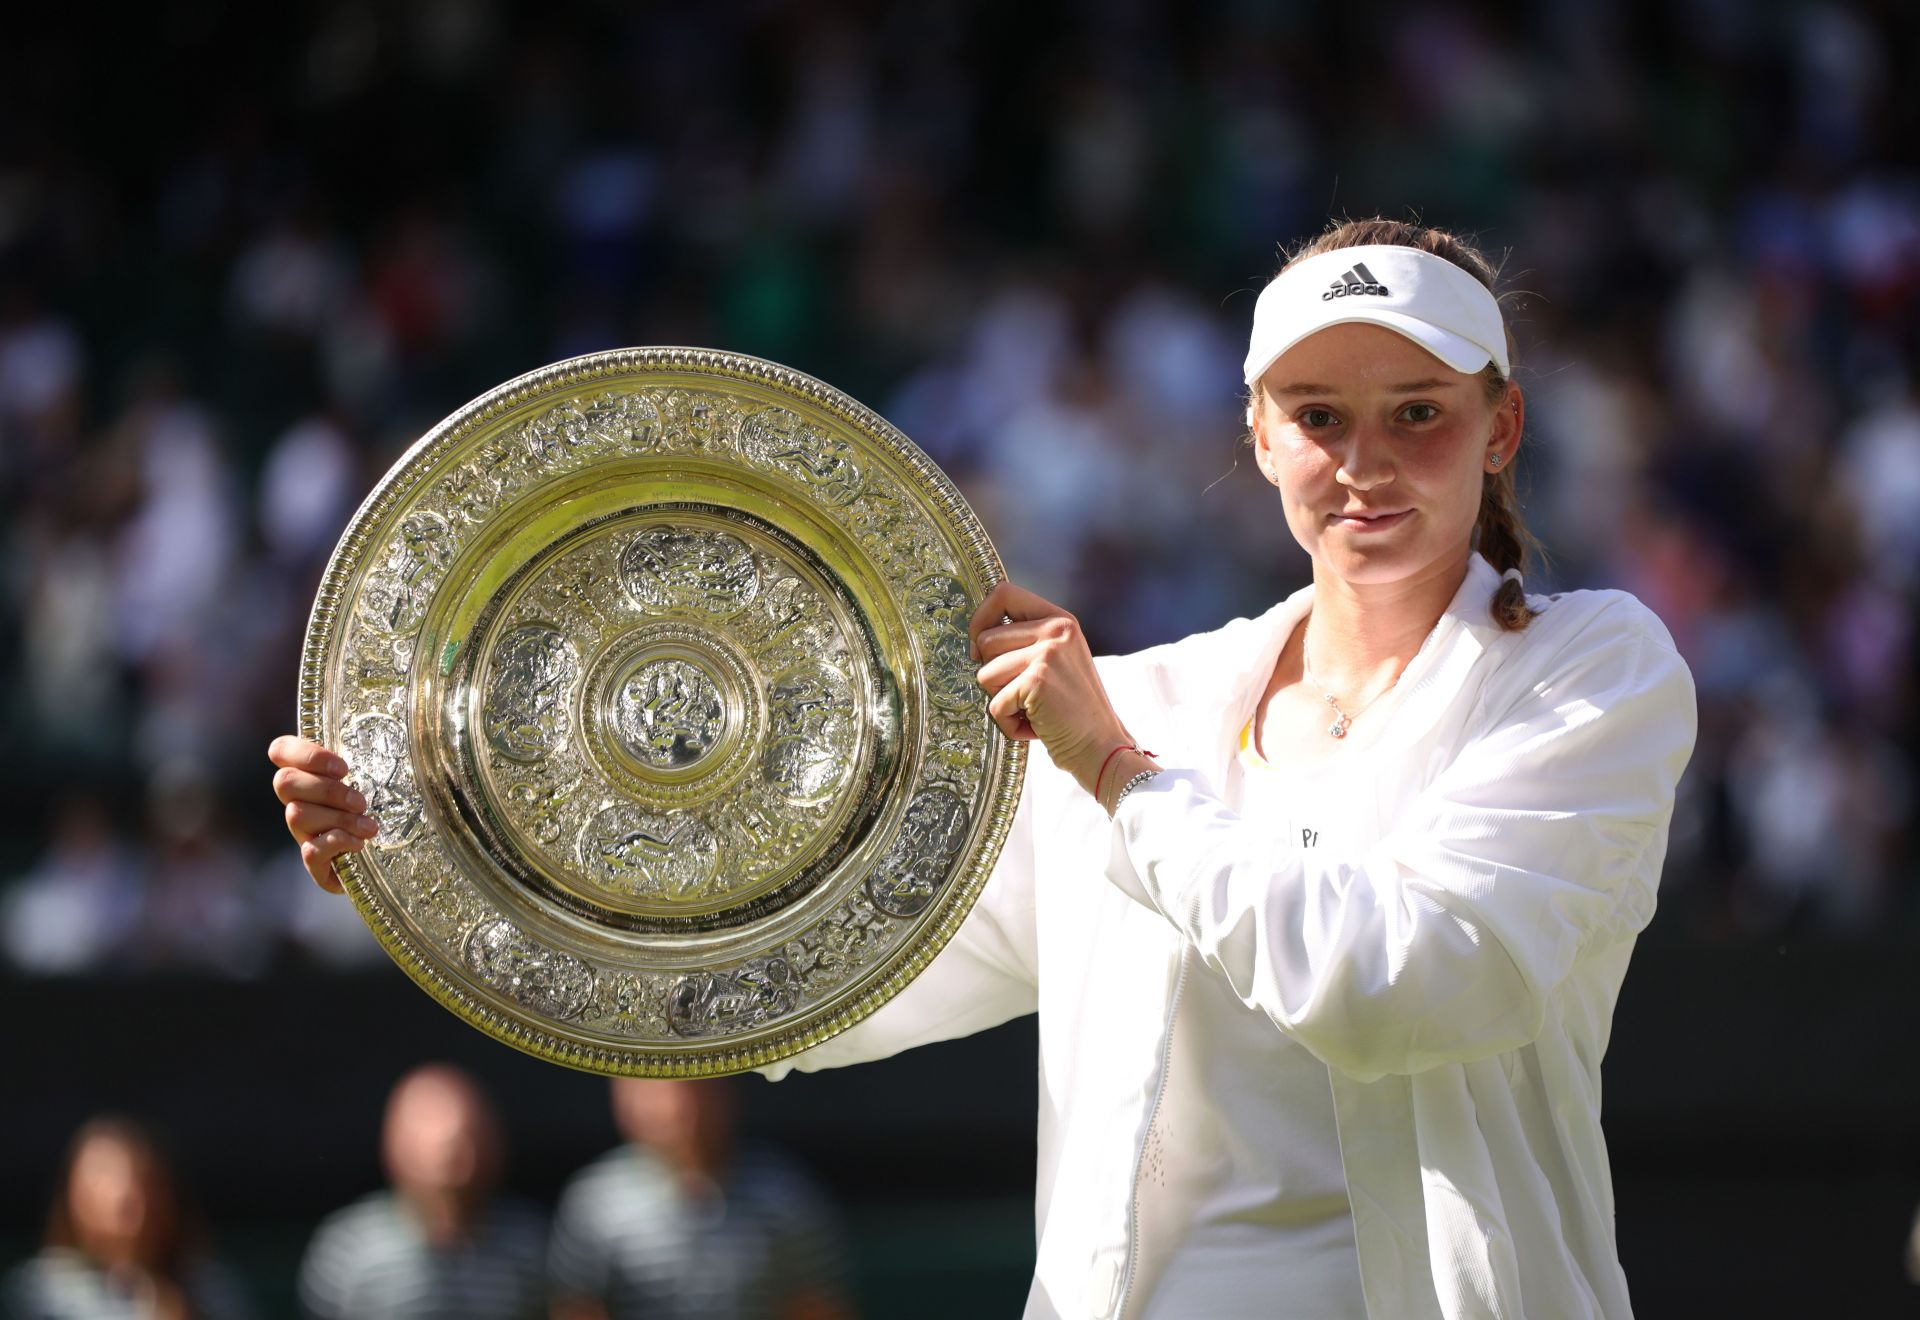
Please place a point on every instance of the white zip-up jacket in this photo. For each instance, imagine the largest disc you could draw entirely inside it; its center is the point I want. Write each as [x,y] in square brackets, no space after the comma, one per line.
[1455,965]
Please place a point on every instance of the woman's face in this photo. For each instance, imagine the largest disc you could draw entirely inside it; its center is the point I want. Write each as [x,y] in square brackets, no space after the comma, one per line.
[117,1199]
[1379,450]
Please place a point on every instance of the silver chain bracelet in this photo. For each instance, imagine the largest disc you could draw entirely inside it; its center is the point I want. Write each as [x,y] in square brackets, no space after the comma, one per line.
[1128,787]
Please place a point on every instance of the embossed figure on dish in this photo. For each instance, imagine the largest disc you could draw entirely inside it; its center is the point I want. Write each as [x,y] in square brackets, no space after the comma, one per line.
[667,567]
[782,440]
[672,857]
[940,610]
[542,808]
[581,589]
[695,420]
[757,991]
[793,624]
[631,1004]
[810,734]
[916,865]
[375,748]
[526,712]
[889,526]
[551,983]
[395,594]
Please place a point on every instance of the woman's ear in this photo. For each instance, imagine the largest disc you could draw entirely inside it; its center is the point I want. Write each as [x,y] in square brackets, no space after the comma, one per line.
[1257,431]
[1509,421]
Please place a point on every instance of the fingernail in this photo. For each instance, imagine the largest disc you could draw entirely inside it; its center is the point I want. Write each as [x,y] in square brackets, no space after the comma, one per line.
[336,766]
[356,800]
[367,825]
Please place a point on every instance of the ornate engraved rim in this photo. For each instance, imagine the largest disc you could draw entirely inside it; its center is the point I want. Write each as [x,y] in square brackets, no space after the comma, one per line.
[697,1057]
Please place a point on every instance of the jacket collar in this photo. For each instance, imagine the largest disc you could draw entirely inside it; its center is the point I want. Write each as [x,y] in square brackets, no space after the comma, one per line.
[1428,685]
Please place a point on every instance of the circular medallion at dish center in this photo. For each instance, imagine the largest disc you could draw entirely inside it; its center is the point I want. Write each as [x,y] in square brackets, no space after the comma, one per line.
[669,712]
[683,736]
[653,666]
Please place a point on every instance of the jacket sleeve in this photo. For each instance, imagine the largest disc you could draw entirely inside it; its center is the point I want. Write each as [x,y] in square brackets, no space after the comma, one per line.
[1543,839]
[986,975]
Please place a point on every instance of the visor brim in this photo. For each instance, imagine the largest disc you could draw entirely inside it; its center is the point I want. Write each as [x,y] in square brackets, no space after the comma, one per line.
[1455,351]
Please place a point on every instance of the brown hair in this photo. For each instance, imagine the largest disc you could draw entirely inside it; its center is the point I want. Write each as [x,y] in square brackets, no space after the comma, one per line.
[1500,535]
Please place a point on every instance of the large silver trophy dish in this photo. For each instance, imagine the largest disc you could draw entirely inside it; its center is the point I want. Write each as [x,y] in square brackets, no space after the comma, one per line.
[653,667]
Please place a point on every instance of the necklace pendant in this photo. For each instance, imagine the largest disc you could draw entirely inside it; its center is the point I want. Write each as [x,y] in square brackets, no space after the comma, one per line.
[1338,728]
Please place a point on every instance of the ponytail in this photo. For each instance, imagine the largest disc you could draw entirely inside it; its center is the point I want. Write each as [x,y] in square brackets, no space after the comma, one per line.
[1504,542]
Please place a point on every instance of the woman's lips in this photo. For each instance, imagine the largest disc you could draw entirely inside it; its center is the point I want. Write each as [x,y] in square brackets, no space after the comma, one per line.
[1377,522]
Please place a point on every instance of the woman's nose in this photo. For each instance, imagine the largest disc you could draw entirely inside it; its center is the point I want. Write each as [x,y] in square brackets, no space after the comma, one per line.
[1365,461]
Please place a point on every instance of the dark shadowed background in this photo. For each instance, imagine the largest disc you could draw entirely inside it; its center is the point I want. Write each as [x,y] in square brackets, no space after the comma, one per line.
[250,252]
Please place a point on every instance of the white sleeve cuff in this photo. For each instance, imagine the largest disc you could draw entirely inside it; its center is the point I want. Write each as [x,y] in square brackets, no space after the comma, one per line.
[1153,856]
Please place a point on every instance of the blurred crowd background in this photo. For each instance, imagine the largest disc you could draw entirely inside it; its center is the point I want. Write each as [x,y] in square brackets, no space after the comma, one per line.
[248,255]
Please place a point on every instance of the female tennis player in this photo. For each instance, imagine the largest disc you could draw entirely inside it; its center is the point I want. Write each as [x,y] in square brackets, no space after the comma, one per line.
[1324,913]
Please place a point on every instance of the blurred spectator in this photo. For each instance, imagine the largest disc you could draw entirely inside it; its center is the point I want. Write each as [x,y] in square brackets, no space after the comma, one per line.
[440,1243]
[41,361]
[179,540]
[291,280]
[73,681]
[1047,511]
[120,1243]
[685,1223]
[201,912]
[1882,451]
[308,485]
[80,908]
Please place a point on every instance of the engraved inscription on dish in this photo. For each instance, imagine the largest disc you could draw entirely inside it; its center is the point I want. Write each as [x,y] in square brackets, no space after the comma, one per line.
[916,864]
[641,854]
[669,713]
[525,714]
[666,567]
[547,981]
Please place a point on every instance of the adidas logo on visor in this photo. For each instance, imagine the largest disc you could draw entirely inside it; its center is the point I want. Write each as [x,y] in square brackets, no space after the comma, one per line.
[1356,281]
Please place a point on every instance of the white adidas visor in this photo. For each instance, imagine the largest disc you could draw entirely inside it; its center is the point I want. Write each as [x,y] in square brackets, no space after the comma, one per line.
[1426,298]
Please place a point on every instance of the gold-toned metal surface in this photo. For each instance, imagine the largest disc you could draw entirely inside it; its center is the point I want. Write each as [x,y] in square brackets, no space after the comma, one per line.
[653,666]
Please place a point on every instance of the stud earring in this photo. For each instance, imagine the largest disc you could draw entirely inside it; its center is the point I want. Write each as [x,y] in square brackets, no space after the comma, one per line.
[1497,460]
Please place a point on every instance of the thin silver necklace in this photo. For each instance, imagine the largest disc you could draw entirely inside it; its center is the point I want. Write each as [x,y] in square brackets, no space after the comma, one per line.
[1343,721]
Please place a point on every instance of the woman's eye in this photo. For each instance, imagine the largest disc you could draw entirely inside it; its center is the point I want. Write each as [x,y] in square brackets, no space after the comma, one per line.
[1420,412]
[1317,417]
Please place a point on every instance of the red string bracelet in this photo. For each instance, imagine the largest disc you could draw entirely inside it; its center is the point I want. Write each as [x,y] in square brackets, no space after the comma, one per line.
[1123,747]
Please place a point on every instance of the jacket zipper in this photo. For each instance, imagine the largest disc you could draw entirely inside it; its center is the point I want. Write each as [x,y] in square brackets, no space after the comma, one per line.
[1153,1116]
